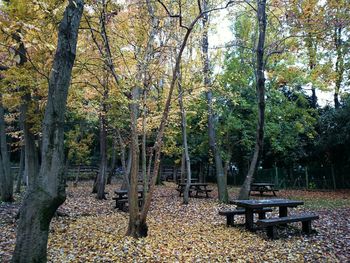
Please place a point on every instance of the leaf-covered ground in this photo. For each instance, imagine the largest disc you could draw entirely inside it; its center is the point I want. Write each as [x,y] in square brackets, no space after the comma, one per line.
[94,231]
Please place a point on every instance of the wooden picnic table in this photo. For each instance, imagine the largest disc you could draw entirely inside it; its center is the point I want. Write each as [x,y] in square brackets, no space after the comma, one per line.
[250,205]
[197,187]
[193,180]
[263,187]
[122,197]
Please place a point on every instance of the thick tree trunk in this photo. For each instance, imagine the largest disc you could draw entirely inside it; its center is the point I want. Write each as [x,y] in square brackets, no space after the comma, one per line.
[184,140]
[260,88]
[6,180]
[48,192]
[132,191]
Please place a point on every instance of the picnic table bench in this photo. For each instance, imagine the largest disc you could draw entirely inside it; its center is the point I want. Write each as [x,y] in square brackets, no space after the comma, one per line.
[230,214]
[263,187]
[270,223]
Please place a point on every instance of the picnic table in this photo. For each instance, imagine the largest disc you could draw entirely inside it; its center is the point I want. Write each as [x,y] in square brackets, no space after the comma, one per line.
[251,206]
[195,187]
[263,187]
[121,198]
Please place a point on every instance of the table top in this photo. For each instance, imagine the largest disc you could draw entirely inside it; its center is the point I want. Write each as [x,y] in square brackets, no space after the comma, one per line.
[126,191]
[194,184]
[267,203]
[262,184]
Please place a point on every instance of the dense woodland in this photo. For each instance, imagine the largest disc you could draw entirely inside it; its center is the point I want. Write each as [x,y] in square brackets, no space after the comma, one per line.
[133,86]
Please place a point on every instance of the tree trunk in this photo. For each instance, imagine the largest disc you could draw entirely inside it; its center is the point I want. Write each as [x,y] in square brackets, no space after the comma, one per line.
[113,161]
[136,227]
[311,48]
[132,191]
[48,192]
[184,140]
[20,171]
[102,174]
[220,175]
[183,167]
[144,153]
[126,166]
[31,158]
[260,87]
[6,180]
[339,64]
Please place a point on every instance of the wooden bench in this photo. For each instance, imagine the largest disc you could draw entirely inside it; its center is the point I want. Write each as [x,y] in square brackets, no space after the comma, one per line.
[230,214]
[272,222]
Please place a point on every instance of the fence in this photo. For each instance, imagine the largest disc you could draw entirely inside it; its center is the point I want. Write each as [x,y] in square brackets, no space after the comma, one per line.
[329,177]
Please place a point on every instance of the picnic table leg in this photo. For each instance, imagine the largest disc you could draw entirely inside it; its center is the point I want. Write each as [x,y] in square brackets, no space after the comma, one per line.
[283,211]
[249,219]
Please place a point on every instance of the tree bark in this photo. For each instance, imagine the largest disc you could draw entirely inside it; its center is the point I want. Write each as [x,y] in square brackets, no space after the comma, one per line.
[311,47]
[102,174]
[220,175]
[260,87]
[48,193]
[184,140]
[144,141]
[6,180]
[339,64]
[113,160]
[135,152]
[20,171]
[136,228]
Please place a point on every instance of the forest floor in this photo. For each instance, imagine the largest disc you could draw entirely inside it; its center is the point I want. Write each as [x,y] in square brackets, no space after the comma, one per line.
[94,231]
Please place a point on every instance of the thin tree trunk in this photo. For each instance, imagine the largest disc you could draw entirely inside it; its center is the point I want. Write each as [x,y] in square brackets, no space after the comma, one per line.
[126,166]
[260,87]
[31,158]
[184,140]
[48,193]
[183,167]
[113,161]
[20,171]
[312,64]
[220,175]
[135,227]
[339,65]
[144,153]
[101,178]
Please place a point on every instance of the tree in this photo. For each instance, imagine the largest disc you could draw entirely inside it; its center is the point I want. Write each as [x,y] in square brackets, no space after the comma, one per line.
[138,226]
[260,88]
[6,180]
[220,175]
[47,192]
